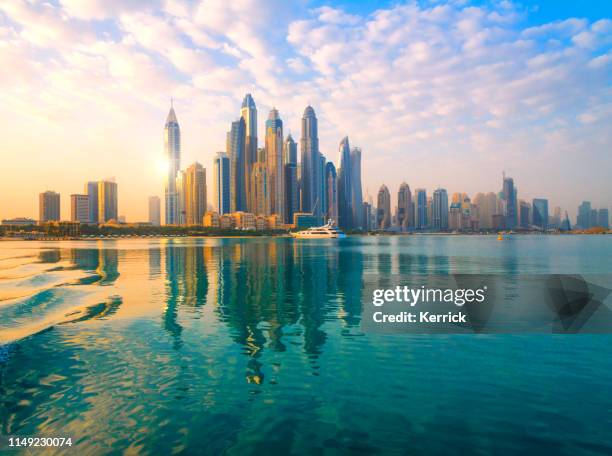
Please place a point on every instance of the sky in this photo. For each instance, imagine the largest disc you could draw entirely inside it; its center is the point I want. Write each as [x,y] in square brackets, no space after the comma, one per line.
[436,93]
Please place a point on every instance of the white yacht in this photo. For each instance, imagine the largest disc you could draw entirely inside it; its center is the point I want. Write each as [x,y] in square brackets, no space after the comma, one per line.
[320,232]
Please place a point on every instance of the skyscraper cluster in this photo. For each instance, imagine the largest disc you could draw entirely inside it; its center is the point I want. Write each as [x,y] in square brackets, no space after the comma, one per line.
[268,180]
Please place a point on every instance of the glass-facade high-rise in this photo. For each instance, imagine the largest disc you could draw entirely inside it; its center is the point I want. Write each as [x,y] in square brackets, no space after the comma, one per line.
[509,195]
[331,187]
[172,150]
[248,113]
[421,209]
[310,179]
[275,163]
[91,188]
[356,193]
[345,186]
[195,194]
[238,168]
[583,219]
[221,182]
[439,210]
[154,210]
[539,215]
[107,201]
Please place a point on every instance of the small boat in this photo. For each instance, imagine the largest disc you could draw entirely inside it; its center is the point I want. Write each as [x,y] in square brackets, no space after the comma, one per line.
[500,236]
[329,231]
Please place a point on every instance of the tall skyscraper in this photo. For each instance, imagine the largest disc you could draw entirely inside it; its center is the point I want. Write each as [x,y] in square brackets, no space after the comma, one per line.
[259,186]
[603,218]
[248,113]
[292,202]
[181,191]
[238,166]
[323,189]
[221,183]
[49,207]
[540,213]
[345,186]
[79,208]
[524,214]
[290,150]
[383,208]
[331,187]
[440,210]
[195,194]
[172,149]
[420,195]
[154,210]
[310,179]
[107,201]
[91,188]
[275,163]
[404,203]
[510,202]
[583,219]
[356,193]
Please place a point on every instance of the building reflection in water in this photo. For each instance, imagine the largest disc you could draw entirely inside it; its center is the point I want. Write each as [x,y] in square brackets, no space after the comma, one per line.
[262,290]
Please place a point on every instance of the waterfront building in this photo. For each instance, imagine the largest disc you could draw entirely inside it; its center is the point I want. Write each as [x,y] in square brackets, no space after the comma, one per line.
[79,208]
[356,191]
[238,169]
[487,206]
[603,218]
[91,188]
[310,179]
[49,207]
[524,214]
[404,204]
[303,220]
[226,221]
[454,216]
[593,221]
[554,220]
[211,220]
[291,191]
[248,113]
[107,201]
[440,210]
[565,224]
[540,213]
[420,196]
[367,216]
[331,186]
[345,186]
[181,191]
[275,165]
[383,208]
[509,197]
[172,152]
[243,220]
[221,183]
[195,194]
[18,222]
[583,219]
[259,187]
[154,210]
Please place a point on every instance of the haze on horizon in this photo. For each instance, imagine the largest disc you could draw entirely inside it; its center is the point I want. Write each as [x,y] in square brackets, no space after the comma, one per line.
[436,93]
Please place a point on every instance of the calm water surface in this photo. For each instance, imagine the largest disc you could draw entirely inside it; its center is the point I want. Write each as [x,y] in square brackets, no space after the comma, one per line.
[254,346]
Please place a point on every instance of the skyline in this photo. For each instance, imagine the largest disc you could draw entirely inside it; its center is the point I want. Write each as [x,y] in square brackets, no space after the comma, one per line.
[440,118]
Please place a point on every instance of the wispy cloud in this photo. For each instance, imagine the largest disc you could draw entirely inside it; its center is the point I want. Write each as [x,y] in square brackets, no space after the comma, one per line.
[449,94]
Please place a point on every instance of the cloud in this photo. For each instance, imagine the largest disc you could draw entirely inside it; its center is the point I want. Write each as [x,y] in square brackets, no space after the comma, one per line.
[434,87]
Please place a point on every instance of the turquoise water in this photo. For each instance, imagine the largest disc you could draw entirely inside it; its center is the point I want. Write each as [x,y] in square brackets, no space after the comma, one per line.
[254,346]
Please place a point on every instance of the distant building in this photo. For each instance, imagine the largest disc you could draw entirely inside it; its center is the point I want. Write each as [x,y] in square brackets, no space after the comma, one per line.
[420,196]
[345,186]
[331,187]
[404,204]
[49,207]
[154,210]
[383,208]
[540,213]
[593,221]
[275,163]
[211,220]
[292,196]
[107,201]
[583,219]
[367,216]
[306,220]
[19,221]
[356,191]
[244,220]
[91,188]
[311,178]
[603,218]
[235,151]
[440,210]
[221,183]
[524,214]
[195,194]
[79,208]
[509,198]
